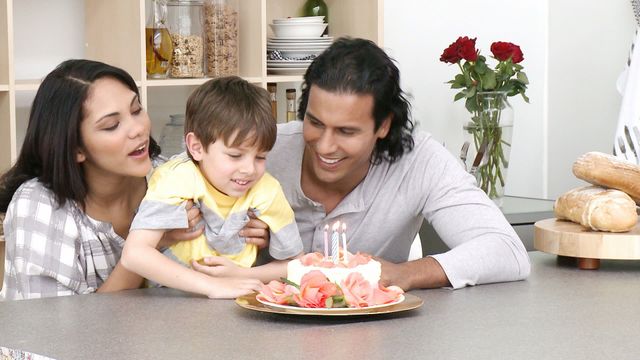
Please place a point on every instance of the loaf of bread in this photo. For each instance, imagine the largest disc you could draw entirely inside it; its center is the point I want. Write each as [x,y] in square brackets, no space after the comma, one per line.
[610,172]
[598,209]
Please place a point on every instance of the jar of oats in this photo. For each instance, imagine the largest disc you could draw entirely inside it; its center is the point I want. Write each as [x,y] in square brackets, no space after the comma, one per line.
[221,37]
[185,23]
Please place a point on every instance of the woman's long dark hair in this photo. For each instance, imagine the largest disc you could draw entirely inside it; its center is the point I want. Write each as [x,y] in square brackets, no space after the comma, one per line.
[53,134]
[359,66]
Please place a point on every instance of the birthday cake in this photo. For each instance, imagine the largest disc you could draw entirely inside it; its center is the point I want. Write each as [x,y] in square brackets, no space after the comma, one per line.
[335,279]
[335,272]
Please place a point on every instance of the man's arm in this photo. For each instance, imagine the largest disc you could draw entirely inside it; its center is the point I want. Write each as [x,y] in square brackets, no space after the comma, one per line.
[423,273]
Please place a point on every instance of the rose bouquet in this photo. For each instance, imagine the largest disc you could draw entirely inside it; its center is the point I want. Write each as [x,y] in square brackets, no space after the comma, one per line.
[485,90]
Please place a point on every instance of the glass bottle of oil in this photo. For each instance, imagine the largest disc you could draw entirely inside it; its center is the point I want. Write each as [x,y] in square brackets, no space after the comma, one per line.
[159,48]
[291,104]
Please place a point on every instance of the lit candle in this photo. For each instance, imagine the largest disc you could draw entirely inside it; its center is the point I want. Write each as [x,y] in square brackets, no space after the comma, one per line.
[326,242]
[335,243]
[344,242]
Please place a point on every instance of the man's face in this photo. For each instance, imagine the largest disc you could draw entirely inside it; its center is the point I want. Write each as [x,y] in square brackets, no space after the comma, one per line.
[340,137]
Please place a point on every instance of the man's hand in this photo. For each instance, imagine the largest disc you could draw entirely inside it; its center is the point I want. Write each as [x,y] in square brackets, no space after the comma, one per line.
[174,236]
[418,274]
[256,232]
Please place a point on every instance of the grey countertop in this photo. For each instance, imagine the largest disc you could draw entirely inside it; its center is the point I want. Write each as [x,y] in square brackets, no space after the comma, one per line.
[560,312]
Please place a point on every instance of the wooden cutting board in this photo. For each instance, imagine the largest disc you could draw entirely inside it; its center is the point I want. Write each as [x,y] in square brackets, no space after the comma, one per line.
[570,239]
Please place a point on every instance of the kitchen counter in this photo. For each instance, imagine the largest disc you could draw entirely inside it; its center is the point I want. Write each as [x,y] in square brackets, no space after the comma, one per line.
[560,312]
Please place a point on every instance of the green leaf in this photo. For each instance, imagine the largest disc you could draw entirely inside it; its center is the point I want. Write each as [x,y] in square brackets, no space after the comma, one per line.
[459,96]
[489,81]
[471,92]
[526,99]
[522,77]
[471,104]
[339,301]
[328,303]
[289,282]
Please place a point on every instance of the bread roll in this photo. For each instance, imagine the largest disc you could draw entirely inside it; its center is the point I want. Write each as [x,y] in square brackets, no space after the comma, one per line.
[598,209]
[608,171]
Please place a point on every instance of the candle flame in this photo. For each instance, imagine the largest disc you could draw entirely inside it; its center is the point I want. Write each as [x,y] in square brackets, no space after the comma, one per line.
[344,227]
[326,227]
[336,226]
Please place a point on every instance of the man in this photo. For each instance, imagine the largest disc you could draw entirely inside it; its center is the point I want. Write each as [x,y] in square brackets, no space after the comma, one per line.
[355,158]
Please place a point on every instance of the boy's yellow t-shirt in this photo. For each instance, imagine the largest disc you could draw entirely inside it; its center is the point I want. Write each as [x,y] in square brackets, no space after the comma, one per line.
[180,179]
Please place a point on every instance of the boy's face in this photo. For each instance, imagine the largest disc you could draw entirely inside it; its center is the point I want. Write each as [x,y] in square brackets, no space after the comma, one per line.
[231,170]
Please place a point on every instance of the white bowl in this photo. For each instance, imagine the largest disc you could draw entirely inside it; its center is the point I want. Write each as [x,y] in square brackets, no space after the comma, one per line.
[304,19]
[298,29]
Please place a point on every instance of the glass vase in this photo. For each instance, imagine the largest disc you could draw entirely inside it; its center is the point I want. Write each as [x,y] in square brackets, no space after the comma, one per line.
[488,143]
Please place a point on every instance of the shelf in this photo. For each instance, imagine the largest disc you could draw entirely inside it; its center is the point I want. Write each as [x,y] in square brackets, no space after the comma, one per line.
[187,82]
[284,78]
[114,32]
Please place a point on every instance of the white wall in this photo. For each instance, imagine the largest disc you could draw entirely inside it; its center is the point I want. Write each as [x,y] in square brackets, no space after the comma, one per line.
[551,36]
[588,49]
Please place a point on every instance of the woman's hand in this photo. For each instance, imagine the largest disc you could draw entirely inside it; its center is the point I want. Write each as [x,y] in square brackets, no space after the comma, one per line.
[256,232]
[174,236]
[218,266]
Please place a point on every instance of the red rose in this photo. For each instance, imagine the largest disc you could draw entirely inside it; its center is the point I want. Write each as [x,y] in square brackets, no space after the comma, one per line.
[505,50]
[463,48]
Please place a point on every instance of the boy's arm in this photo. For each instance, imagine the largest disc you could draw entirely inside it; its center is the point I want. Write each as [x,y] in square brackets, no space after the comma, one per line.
[121,279]
[140,256]
[222,267]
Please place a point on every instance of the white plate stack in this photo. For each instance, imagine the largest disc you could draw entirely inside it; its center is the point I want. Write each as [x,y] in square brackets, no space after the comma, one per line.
[296,43]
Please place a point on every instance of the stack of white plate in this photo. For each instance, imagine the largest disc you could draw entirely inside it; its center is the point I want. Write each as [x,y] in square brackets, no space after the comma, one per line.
[292,54]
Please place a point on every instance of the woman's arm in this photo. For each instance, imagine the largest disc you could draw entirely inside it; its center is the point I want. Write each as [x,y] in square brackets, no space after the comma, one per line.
[141,256]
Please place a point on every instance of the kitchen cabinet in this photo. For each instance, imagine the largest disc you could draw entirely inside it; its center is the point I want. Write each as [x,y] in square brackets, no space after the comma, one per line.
[114,33]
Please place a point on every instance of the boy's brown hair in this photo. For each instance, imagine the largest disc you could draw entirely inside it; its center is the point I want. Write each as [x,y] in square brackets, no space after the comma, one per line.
[228,106]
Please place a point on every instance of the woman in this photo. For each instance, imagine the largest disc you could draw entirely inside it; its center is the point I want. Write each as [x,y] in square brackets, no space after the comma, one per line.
[80,176]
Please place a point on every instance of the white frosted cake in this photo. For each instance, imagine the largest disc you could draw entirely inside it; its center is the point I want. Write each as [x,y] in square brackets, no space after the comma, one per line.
[359,263]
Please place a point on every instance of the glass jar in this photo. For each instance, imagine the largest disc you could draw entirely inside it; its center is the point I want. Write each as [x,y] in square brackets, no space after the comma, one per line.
[172,137]
[159,48]
[221,37]
[291,104]
[185,23]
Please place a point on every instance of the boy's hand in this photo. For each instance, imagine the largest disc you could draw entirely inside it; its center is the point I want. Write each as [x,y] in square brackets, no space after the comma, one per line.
[229,288]
[218,266]
[256,232]
[193,231]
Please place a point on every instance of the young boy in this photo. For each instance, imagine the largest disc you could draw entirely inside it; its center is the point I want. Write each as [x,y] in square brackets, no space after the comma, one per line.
[229,131]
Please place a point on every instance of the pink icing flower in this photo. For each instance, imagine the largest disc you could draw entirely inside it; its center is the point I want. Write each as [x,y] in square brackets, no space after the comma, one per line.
[385,295]
[315,289]
[311,259]
[358,259]
[277,292]
[357,291]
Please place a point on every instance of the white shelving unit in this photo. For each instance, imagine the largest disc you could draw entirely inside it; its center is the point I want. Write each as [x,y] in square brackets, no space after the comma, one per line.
[114,33]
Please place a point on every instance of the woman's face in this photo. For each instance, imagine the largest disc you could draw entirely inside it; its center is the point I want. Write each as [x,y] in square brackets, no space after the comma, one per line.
[115,131]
